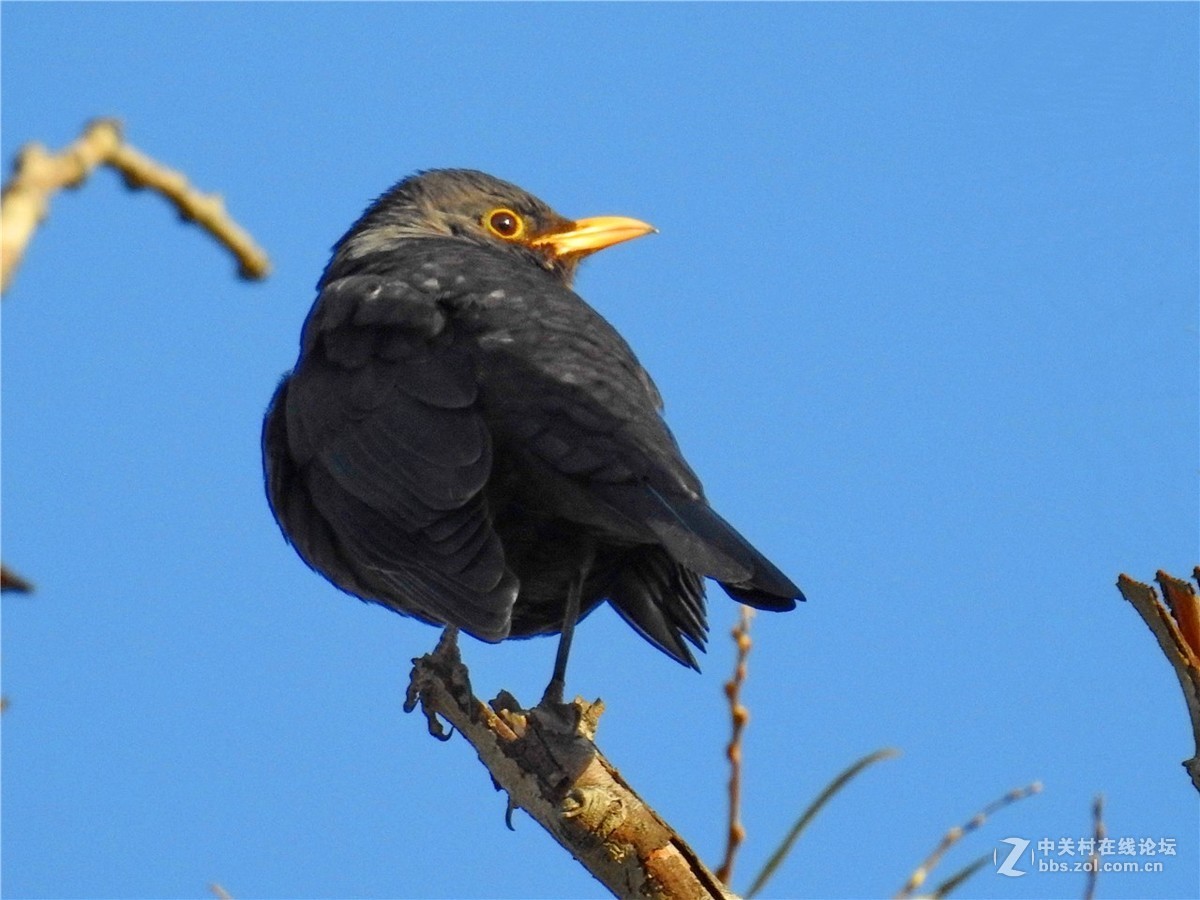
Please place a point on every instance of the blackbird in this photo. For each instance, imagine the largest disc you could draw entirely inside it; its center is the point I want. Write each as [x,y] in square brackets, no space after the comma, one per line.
[464,440]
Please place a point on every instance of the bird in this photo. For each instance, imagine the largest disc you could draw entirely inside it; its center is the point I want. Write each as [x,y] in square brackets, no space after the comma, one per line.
[464,440]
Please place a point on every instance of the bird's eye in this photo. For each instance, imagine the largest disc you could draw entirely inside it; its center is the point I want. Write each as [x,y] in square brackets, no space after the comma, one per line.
[504,223]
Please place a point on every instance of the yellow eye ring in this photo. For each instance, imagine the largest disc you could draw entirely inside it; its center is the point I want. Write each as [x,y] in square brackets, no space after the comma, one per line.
[505,224]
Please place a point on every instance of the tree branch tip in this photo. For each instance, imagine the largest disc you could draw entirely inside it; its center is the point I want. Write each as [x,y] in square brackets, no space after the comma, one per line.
[11,581]
[253,269]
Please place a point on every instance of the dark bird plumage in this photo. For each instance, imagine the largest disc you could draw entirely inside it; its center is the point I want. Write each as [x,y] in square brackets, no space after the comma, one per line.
[464,440]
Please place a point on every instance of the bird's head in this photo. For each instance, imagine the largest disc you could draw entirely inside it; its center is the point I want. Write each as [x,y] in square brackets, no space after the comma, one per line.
[473,206]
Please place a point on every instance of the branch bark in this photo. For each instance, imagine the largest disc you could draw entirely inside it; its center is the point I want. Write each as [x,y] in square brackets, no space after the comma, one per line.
[547,762]
[1177,630]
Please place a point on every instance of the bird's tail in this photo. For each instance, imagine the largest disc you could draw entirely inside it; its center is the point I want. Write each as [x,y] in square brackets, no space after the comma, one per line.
[663,602]
[705,543]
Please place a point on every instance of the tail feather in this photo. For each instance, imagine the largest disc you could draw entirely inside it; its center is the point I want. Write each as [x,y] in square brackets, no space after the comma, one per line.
[663,602]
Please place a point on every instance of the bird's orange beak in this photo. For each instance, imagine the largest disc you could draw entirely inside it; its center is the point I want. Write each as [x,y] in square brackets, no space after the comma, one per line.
[589,235]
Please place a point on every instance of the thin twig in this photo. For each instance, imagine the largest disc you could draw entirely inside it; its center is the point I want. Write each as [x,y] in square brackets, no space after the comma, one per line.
[206,210]
[954,835]
[824,797]
[1098,835]
[739,716]
[956,880]
[11,581]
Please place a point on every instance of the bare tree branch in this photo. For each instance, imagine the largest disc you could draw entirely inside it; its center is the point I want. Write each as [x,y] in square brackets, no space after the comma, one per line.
[39,174]
[1177,630]
[546,761]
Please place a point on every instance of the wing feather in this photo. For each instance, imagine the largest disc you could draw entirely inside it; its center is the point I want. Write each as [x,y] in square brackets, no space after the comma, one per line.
[389,456]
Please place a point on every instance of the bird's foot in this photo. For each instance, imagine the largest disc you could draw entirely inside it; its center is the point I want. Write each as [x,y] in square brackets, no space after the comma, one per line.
[553,695]
[579,716]
[445,665]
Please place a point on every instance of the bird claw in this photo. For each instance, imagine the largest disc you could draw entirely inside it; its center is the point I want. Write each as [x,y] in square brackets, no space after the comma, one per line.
[445,665]
[413,697]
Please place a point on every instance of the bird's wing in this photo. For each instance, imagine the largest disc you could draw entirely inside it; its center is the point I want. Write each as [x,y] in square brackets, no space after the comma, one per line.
[386,455]
[588,415]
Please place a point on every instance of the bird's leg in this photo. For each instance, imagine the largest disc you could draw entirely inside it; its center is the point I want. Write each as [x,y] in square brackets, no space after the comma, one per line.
[558,680]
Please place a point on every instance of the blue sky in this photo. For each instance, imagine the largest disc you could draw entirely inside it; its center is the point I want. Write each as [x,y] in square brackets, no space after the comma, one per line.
[923,307]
